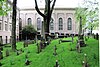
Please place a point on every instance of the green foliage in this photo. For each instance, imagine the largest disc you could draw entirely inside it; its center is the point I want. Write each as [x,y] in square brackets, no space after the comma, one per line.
[92,13]
[65,57]
[28,29]
[81,12]
[4,8]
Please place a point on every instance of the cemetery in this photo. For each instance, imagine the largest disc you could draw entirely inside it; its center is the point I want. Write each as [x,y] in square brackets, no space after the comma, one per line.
[49,36]
[53,55]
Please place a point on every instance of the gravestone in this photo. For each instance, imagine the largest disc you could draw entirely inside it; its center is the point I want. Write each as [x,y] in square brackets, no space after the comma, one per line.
[41,45]
[57,64]
[59,41]
[38,48]
[55,48]
[78,48]
[25,43]
[7,52]
[1,55]
[0,64]
[97,36]
[17,52]
[1,48]
[27,62]
[72,38]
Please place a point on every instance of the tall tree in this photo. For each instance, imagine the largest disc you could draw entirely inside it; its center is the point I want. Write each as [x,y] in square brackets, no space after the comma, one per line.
[49,6]
[14,25]
[92,13]
[80,16]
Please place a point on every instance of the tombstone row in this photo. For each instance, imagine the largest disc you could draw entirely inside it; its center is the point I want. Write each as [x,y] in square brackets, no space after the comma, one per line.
[27,42]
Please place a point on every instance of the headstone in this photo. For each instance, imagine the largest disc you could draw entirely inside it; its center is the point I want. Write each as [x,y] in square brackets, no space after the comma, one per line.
[55,48]
[82,43]
[72,38]
[0,64]
[97,36]
[27,62]
[1,55]
[7,52]
[1,48]
[38,48]
[57,64]
[17,52]
[78,47]
[25,43]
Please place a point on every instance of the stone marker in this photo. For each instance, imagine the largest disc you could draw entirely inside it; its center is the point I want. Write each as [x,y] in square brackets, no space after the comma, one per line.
[55,48]
[0,64]
[78,47]
[7,52]
[38,48]
[27,62]
[84,63]
[57,64]
[1,55]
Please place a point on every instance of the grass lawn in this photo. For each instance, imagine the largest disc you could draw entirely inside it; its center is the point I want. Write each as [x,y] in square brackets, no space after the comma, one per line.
[65,57]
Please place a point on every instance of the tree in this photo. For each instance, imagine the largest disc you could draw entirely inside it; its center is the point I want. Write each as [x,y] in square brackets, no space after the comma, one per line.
[92,13]
[28,31]
[4,7]
[49,6]
[80,16]
[14,25]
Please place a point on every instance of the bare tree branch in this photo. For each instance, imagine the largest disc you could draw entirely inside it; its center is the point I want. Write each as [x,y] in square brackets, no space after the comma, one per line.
[37,9]
[52,6]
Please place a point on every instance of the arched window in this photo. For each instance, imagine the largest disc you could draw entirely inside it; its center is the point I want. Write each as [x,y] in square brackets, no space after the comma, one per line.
[39,23]
[20,24]
[60,24]
[29,21]
[51,24]
[69,24]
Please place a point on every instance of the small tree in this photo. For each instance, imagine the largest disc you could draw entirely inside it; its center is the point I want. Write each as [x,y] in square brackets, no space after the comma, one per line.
[28,30]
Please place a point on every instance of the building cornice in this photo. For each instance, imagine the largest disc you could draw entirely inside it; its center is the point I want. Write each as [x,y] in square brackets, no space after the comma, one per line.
[12,4]
[43,9]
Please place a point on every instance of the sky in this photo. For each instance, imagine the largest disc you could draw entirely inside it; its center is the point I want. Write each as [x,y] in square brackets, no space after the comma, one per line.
[59,3]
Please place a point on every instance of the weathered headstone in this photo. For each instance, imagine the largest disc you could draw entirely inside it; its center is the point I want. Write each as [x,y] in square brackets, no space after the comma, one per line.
[1,55]
[0,64]
[7,52]
[72,38]
[25,43]
[27,62]
[38,48]
[55,48]
[78,48]
[57,64]
[1,48]
[97,36]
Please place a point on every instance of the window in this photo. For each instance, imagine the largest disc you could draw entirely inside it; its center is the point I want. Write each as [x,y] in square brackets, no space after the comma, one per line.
[39,24]
[29,21]
[20,24]
[69,24]
[60,24]
[0,38]
[51,24]
[0,26]
[6,26]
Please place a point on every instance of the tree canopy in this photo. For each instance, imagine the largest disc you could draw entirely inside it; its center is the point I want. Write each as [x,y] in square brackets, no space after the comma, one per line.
[28,29]
[4,8]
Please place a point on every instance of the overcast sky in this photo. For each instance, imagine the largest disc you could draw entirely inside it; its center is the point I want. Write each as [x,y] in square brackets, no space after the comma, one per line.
[59,3]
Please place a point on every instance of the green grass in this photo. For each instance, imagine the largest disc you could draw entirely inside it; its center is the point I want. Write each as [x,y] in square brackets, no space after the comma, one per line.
[65,57]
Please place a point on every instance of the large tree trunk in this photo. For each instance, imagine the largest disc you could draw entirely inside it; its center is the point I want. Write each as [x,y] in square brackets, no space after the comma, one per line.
[47,15]
[80,28]
[14,26]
